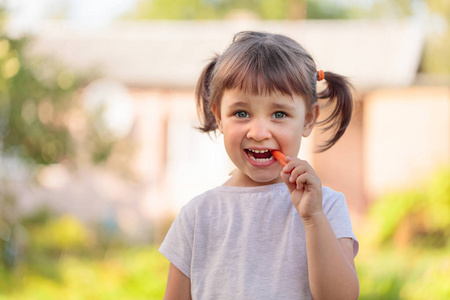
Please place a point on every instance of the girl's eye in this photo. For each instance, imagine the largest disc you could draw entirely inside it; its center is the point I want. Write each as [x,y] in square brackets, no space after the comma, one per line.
[279,115]
[241,114]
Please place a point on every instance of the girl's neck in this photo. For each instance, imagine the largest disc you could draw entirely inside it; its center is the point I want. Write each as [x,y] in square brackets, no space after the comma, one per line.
[240,179]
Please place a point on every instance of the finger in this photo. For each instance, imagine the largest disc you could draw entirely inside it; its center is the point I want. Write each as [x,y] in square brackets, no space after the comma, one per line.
[285,176]
[298,167]
[291,163]
[307,182]
[298,170]
[304,167]
[302,181]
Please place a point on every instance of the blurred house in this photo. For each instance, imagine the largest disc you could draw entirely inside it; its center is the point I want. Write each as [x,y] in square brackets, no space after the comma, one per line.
[400,131]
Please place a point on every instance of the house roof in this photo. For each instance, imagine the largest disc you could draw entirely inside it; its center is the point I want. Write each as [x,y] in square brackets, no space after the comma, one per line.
[172,54]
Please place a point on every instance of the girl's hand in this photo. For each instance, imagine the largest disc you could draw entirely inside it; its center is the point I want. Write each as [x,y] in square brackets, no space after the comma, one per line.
[305,187]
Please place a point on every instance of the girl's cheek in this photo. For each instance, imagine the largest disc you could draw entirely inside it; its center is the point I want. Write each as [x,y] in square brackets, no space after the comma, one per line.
[289,142]
[234,131]
[286,136]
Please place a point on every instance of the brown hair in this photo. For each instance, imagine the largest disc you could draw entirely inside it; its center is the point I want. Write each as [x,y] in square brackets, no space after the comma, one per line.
[263,63]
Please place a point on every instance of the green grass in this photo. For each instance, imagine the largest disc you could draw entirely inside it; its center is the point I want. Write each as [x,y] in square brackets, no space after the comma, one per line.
[137,273]
[409,273]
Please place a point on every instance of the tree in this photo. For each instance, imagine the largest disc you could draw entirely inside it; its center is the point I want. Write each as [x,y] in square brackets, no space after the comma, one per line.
[437,47]
[221,9]
[38,104]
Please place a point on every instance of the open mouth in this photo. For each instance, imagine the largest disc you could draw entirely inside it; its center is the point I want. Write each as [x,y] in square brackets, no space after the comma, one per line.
[259,155]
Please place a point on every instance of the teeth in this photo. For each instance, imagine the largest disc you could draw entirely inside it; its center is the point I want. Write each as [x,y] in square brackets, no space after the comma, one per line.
[258,151]
[261,159]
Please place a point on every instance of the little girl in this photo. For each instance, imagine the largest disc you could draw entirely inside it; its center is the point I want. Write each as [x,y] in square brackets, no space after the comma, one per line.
[269,232]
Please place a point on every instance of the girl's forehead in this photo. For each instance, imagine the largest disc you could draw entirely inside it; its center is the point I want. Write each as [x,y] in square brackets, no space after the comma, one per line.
[238,97]
[245,95]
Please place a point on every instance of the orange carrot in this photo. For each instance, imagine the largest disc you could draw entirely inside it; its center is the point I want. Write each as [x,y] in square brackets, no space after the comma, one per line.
[280,157]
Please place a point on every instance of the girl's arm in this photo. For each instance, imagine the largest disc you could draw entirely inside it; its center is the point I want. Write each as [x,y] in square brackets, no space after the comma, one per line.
[332,273]
[331,270]
[178,285]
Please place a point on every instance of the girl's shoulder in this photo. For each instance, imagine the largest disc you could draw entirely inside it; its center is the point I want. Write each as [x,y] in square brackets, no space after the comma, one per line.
[329,194]
[333,201]
[198,201]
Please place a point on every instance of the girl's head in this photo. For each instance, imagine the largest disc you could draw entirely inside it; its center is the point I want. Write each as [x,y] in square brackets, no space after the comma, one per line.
[261,94]
[261,63]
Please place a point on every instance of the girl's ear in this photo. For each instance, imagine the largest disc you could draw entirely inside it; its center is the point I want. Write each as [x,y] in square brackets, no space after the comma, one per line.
[310,120]
[216,113]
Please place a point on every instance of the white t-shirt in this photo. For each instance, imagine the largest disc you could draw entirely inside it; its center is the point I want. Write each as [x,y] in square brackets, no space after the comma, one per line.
[248,242]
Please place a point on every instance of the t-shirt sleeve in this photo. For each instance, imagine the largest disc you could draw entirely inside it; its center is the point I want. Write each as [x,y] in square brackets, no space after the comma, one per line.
[177,245]
[337,213]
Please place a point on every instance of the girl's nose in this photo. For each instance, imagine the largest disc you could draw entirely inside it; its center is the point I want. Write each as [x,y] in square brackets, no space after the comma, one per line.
[258,131]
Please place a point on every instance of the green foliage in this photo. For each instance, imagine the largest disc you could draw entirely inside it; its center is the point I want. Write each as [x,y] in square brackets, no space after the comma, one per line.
[436,50]
[40,107]
[135,273]
[177,10]
[433,284]
[407,274]
[34,98]
[388,213]
[219,9]
[330,10]
[420,216]
[65,233]
[59,257]
[405,256]
[438,202]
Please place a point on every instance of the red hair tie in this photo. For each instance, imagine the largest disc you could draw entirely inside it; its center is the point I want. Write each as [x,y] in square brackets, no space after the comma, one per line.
[320,75]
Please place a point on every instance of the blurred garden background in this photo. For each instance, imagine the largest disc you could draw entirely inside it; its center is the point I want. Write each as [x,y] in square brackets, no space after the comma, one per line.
[98,149]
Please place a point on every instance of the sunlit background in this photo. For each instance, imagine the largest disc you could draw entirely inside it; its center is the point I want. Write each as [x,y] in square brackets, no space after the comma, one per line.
[99,150]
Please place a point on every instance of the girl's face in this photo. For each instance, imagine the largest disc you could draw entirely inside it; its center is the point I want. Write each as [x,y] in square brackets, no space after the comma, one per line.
[252,125]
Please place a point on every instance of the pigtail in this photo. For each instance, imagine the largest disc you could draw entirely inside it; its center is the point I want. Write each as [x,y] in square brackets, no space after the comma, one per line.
[338,92]
[202,95]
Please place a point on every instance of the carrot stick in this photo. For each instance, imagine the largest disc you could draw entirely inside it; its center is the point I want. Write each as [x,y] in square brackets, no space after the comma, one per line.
[280,157]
